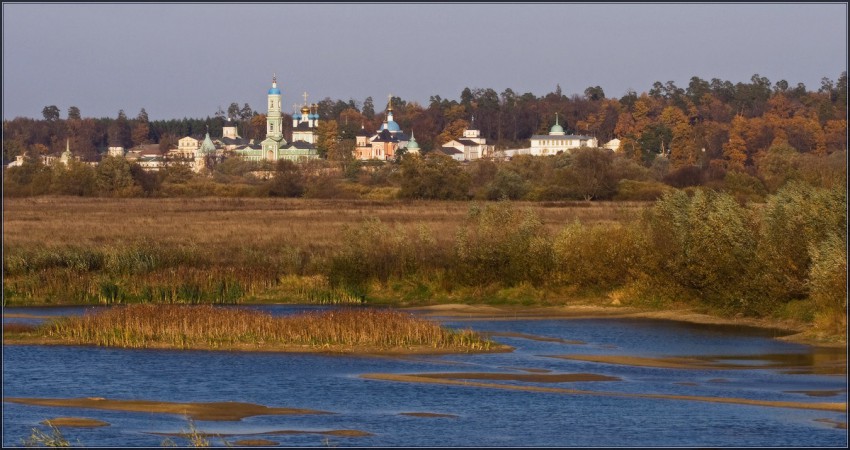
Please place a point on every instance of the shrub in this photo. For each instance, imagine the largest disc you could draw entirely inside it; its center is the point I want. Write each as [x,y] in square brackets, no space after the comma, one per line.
[743,187]
[507,184]
[373,251]
[828,282]
[684,176]
[499,244]
[631,190]
[796,219]
[599,256]
[435,176]
[704,244]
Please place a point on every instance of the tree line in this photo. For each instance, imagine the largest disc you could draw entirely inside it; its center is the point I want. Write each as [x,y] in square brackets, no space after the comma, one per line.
[664,118]
[747,138]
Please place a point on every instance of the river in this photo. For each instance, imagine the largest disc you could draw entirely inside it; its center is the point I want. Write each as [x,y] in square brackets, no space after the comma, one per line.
[627,406]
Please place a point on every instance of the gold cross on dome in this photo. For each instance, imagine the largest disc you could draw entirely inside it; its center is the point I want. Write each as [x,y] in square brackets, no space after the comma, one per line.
[305,97]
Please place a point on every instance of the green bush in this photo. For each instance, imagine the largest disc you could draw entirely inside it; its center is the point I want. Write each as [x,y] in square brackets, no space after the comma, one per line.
[795,220]
[373,251]
[743,187]
[598,257]
[704,244]
[828,282]
[632,190]
[500,244]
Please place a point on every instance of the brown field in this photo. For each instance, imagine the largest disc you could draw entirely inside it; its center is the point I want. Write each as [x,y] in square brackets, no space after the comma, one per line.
[229,221]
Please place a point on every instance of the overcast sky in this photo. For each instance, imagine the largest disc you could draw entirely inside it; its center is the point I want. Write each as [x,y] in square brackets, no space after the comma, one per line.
[187,60]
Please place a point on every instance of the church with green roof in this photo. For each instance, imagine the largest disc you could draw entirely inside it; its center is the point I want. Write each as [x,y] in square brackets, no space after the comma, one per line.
[275,147]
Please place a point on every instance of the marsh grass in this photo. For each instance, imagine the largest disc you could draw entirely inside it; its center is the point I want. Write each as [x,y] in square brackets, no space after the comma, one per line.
[700,247]
[52,438]
[213,327]
[217,250]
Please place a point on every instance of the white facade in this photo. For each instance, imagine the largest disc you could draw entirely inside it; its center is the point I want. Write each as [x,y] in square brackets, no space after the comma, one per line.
[558,141]
[229,130]
[472,146]
[186,147]
[613,145]
[542,145]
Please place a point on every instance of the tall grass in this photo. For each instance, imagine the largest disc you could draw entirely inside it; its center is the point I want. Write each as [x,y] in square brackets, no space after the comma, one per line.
[206,326]
[699,246]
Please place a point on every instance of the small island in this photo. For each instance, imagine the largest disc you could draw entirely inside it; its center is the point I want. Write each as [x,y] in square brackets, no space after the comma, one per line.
[206,327]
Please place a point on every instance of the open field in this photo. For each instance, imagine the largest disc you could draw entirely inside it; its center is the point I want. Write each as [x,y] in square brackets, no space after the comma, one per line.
[229,222]
[71,250]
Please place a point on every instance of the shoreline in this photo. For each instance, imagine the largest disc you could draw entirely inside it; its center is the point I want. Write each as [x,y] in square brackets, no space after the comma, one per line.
[788,331]
[338,350]
[792,331]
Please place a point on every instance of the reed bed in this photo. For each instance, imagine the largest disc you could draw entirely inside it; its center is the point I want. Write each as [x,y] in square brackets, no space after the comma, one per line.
[212,327]
[784,258]
[211,250]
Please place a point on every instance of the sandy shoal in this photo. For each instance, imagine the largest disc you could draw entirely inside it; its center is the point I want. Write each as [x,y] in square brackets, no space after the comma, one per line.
[213,411]
[822,406]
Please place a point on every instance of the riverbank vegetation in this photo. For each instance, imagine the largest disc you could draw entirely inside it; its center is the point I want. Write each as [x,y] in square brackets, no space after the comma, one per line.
[218,328]
[784,258]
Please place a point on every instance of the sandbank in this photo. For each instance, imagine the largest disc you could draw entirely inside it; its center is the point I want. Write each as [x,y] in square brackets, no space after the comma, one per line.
[532,378]
[80,422]
[427,414]
[213,411]
[418,378]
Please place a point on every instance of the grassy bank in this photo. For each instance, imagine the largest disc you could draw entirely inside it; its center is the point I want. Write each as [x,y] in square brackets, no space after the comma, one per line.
[207,327]
[782,259]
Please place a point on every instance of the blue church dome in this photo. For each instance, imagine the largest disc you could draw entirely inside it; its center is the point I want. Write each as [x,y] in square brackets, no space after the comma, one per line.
[274,91]
[393,126]
[296,116]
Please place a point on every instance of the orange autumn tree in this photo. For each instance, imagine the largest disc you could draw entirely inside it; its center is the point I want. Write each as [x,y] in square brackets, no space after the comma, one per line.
[683,150]
[735,151]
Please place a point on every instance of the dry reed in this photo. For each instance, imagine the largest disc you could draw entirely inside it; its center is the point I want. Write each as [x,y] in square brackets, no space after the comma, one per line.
[205,326]
[208,250]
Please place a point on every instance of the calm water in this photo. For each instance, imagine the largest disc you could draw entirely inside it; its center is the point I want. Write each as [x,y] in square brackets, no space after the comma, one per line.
[482,416]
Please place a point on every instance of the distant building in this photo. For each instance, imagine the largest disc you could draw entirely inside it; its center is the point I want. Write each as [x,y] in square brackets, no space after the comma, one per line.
[230,139]
[452,152]
[275,147]
[412,145]
[613,145]
[147,156]
[206,150]
[385,143]
[66,156]
[18,162]
[558,141]
[471,145]
[186,147]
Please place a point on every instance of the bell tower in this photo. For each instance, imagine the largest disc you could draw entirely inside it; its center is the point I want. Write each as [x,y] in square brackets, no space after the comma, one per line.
[274,119]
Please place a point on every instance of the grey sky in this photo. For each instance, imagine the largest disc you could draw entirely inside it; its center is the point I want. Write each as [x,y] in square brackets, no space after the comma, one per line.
[187,60]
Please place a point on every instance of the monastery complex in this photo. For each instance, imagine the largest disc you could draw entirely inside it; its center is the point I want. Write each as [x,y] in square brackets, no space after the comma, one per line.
[386,144]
